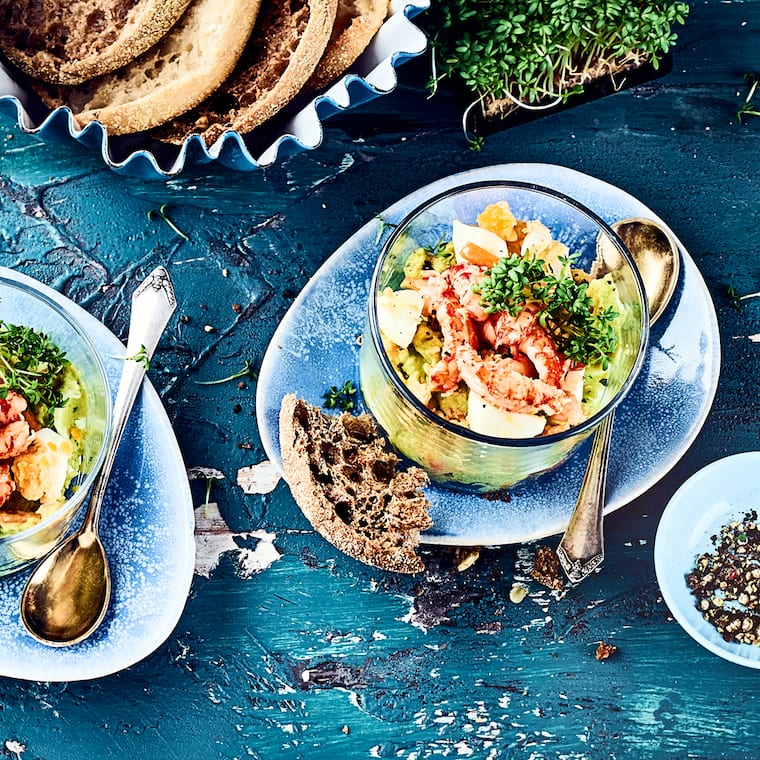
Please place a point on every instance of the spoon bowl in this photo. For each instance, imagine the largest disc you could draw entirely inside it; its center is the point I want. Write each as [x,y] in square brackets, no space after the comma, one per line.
[59,612]
[581,549]
[656,256]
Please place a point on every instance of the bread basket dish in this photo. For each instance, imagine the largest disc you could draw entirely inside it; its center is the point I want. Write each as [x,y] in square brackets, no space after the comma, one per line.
[55,410]
[496,341]
[243,86]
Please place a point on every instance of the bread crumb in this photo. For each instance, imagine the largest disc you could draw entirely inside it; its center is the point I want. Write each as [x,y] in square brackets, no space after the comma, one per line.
[466,558]
[605,650]
[546,568]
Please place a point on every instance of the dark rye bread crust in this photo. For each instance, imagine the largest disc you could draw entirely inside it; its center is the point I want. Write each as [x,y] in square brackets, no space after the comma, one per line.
[69,42]
[287,43]
[347,484]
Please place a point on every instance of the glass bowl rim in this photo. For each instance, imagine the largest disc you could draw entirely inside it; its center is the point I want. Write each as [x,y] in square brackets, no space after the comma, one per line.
[459,430]
[86,485]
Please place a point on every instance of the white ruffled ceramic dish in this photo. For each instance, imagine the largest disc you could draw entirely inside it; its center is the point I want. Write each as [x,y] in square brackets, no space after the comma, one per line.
[147,526]
[315,346]
[373,75]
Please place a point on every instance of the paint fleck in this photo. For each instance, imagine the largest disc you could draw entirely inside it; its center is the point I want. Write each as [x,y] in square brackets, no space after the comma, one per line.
[259,478]
[15,747]
[213,538]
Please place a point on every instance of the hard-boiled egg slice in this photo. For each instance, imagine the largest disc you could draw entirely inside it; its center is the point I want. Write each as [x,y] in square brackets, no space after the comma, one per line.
[482,244]
[398,314]
[537,237]
[485,418]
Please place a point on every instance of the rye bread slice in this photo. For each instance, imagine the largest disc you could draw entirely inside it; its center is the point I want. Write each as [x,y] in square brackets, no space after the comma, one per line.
[69,42]
[348,485]
[187,65]
[285,47]
[356,23]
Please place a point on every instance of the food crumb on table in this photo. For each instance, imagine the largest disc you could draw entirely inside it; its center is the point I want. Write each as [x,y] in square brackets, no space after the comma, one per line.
[546,568]
[605,650]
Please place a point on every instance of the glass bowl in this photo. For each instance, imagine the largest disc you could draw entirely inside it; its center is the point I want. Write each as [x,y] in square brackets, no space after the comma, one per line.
[22,305]
[451,453]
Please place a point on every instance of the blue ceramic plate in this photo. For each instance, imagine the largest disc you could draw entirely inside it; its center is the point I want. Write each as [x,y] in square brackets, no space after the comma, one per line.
[315,346]
[147,526]
[373,75]
[723,491]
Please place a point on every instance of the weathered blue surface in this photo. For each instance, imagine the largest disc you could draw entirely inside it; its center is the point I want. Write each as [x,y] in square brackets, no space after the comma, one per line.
[314,655]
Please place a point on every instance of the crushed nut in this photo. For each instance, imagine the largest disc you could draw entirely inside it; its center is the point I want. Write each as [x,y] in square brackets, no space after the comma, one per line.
[466,558]
[517,593]
[546,568]
[605,650]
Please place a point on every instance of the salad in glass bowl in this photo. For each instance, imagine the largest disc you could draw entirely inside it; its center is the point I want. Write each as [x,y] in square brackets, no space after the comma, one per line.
[496,339]
[55,410]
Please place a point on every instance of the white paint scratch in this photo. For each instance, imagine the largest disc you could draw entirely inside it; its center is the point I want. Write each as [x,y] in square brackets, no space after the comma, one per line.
[213,538]
[15,747]
[259,478]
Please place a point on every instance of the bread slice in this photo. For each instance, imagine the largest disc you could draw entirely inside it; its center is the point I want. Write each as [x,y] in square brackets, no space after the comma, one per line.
[284,49]
[356,23]
[347,484]
[175,75]
[69,42]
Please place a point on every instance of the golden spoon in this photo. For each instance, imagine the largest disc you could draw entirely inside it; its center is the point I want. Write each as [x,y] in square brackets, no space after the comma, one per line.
[581,549]
[67,595]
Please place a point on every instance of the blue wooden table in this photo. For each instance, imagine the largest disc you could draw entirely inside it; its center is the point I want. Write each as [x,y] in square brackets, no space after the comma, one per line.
[286,648]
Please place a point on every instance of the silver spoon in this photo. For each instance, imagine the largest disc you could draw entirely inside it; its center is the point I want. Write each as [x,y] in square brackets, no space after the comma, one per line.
[67,595]
[581,549]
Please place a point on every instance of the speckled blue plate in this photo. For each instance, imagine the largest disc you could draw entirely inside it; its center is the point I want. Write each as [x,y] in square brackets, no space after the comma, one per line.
[711,498]
[315,347]
[147,527]
[373,75]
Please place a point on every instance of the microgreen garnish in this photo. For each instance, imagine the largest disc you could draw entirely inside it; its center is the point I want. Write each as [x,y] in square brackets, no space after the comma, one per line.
[536,54]
[563,307]
[340,398]
[384,227]
[210,480]
[247,371]
[141,357]
[443,250]
[748,108]
[161,213]
[736,299]
[734,296]
[32,365]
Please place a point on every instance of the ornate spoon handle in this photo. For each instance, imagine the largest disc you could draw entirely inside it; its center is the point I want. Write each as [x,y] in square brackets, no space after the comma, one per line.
[153,303]
[581,549]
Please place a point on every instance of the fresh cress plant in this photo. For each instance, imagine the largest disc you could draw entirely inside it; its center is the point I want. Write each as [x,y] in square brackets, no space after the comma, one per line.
[32,365]
[537,53]
[566,311]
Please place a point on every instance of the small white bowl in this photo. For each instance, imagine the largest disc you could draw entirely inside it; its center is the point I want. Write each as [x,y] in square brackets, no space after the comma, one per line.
[710,499]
